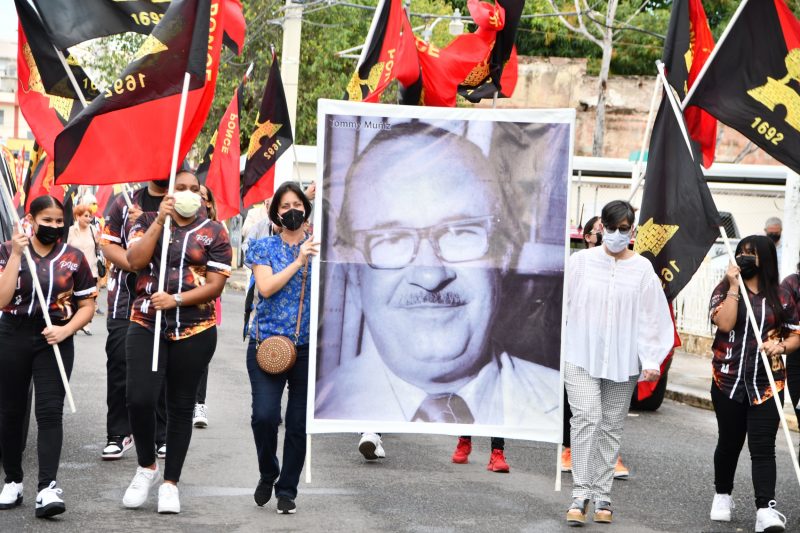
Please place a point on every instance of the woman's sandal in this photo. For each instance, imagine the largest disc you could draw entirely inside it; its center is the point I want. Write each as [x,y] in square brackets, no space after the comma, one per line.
[602,512]
[576,514]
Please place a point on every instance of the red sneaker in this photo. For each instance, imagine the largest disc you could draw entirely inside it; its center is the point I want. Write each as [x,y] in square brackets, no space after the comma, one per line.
[463,449]
[497,462]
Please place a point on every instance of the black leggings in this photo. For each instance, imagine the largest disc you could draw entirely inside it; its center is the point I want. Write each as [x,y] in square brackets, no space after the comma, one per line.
[25,355]
[180,365]
[759,423]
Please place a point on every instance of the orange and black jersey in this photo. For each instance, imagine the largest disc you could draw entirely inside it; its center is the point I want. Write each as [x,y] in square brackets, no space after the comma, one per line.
[65,278]
[121,283]
[195,249]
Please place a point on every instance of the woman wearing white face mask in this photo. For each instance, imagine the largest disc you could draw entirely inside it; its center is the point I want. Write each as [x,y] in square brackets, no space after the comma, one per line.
[198,264]
[618,292]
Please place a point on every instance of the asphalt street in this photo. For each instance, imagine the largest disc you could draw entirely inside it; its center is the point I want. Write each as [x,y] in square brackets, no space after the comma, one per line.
[416,489]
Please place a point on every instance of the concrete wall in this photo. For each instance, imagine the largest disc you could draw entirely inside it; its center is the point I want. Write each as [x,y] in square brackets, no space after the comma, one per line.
[563,82]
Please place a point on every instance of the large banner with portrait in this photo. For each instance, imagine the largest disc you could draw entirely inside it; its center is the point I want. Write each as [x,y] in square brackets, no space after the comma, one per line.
[437,306]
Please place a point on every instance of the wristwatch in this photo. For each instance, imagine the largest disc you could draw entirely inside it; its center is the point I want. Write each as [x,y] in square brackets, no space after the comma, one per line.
[178,299]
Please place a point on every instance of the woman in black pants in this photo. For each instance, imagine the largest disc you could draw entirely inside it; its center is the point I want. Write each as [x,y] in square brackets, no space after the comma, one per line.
[740,390]
[198,264]
[27,351]
[278,263]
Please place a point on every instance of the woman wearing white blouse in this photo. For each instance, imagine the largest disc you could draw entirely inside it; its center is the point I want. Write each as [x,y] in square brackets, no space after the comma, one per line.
[618,292]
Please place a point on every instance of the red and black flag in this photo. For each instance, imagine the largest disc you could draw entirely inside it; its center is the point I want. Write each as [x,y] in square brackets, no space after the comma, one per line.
[272,137]
[753,83]
[688,45]
[131,125]
[69,22]
[106,196]
[46,114]
[498,74]
[42,182]
[678,221]
[222,160]
[444,69]
[379,57]
[50,67]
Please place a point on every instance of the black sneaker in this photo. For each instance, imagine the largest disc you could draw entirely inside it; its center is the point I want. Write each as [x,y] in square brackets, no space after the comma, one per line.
[116,447]
[286,506]
[263,492]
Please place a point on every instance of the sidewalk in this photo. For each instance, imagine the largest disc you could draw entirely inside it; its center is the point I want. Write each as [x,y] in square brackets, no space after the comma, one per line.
[690,383]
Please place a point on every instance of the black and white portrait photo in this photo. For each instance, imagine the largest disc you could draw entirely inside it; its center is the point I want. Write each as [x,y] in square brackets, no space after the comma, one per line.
[437,306]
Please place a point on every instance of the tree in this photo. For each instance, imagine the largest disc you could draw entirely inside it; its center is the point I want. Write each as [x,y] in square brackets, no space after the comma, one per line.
[601,29]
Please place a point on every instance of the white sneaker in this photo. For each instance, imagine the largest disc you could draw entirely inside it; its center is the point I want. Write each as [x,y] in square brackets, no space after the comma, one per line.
[161,452]
[169,501]
[49,502]
[140,486]
[11,496]
[371,446]
[768,520]
[200,416]
[721,508]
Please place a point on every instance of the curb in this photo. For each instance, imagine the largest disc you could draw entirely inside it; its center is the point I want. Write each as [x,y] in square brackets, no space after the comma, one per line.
[687,397]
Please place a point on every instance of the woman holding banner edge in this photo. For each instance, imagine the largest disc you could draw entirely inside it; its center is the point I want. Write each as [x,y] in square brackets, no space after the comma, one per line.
[278,263]
[740,389]
[198,264]
[28,352]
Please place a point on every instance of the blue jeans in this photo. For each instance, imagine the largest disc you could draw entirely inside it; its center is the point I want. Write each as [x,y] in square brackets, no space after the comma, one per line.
[267,391]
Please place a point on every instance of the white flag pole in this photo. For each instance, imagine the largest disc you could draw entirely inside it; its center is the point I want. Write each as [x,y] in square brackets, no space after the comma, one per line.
[162,271]
[126,190]
[308,458]
[71,77]
[637,168]
[713,54]
[742,293]
[36,285]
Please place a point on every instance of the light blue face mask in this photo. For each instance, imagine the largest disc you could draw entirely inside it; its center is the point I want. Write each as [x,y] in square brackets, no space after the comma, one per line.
[616,241]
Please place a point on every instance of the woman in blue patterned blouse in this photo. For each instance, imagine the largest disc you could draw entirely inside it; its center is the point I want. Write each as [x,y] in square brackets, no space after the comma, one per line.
[278,262]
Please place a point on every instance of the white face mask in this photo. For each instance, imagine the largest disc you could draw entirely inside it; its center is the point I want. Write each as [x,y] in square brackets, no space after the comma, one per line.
[187,203]
[616,241]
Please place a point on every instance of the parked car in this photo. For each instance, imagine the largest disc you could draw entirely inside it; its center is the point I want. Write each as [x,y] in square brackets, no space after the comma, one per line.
[5,234]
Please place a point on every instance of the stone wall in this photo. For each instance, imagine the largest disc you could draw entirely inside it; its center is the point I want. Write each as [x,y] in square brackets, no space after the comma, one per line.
[562,82]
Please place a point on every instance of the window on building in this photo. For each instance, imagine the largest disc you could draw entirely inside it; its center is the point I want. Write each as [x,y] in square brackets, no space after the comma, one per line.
[2,117]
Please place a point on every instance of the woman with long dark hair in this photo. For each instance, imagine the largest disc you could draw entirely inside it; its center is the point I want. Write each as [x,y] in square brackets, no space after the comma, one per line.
[27,353]
[278,264]
[740,389]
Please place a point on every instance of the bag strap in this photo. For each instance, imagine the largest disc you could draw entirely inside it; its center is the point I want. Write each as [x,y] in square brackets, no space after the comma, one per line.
[300,307]
[96,247]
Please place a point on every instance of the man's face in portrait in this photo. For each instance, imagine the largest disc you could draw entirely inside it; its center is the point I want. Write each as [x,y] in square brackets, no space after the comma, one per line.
[423,212]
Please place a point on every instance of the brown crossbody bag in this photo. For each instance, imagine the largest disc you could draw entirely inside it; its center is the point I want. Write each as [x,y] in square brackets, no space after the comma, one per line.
[277,354]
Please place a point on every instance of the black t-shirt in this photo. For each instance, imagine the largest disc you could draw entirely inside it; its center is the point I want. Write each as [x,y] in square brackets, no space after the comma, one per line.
[149,203]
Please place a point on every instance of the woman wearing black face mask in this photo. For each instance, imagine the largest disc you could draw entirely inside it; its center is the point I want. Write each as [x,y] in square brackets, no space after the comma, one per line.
[740,389]
[278,263]
[27,354]
[198,265]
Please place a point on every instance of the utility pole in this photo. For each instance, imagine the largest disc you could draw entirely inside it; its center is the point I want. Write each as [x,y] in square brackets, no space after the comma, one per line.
[790,235]
[290,74]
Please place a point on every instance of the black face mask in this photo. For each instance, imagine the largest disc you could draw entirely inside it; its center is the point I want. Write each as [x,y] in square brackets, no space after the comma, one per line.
[161,183]
[48,234]
[599,236]
[747,266]
[292,219]
[774,236]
